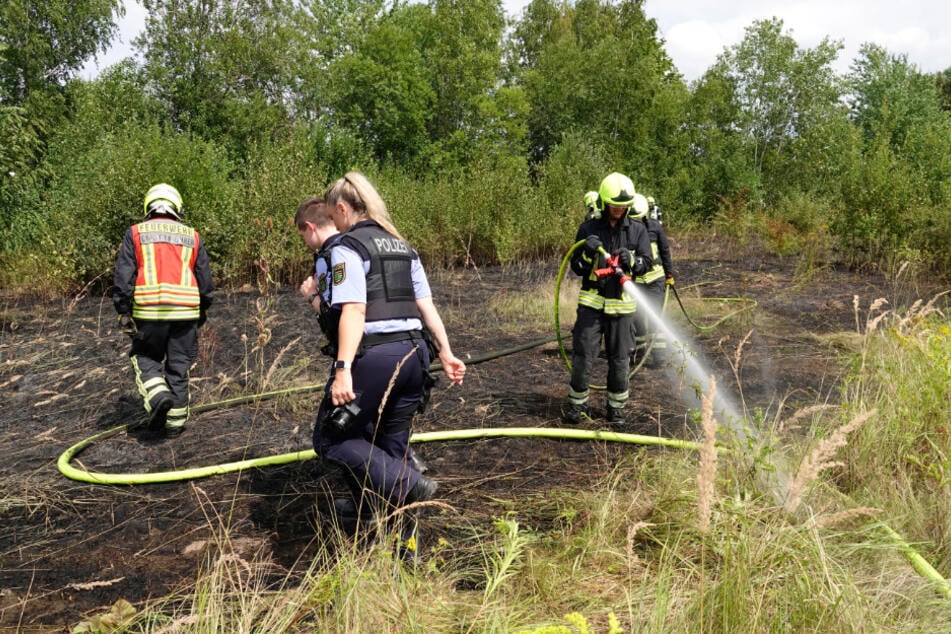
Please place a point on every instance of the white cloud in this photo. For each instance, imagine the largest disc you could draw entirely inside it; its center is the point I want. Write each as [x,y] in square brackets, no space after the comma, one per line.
[130,27]
[696,31]
[694,45]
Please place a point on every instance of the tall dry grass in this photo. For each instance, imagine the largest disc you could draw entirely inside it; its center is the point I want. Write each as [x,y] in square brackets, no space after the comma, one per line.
[668,541]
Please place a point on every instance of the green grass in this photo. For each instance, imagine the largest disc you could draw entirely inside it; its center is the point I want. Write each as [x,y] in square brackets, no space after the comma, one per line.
[626,554]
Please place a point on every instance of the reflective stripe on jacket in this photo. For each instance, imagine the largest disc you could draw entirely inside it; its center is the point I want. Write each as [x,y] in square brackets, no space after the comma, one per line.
[606,294]
[656,272]
[660,253]
[623,306]
[165,285]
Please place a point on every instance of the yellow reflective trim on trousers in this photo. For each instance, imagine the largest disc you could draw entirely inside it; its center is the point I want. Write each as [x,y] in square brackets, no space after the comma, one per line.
[151,387]
[578,398]
[618,399]
[177,416]
[154,386]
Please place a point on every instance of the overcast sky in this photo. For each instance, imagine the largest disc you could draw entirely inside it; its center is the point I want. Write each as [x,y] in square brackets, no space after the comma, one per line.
[696,31]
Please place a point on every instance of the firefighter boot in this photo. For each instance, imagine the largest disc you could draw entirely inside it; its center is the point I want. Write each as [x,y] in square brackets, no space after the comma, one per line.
[576,414]
[161,403]
[616,417]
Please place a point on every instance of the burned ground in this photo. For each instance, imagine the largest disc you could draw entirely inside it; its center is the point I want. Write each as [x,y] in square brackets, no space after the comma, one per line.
[69,548]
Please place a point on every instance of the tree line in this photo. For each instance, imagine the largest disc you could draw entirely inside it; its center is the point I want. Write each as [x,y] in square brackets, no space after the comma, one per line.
[481,132]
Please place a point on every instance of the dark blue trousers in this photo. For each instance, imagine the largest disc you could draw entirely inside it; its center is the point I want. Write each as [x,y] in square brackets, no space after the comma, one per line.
[372,452]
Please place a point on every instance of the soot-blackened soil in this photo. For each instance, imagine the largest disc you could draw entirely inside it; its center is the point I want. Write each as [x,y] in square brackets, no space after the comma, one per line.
[69,549]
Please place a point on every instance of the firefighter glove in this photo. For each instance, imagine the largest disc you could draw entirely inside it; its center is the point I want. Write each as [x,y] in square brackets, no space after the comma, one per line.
[623,258]
[670,280]
[592,243]
[202,318]
[126,324]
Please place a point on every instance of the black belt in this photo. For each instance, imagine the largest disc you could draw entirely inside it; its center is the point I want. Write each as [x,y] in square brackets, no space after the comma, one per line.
[377,338]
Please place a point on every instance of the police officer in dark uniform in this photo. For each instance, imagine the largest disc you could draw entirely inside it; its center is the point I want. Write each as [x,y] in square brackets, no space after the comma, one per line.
[603,309]
[380,300]
[316,228]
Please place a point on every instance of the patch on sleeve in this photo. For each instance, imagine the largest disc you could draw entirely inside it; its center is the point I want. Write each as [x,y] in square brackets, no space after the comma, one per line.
[322,283]
[339,273]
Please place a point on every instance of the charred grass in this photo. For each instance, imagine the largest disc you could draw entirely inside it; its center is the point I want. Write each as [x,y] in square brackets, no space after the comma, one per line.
[526,530]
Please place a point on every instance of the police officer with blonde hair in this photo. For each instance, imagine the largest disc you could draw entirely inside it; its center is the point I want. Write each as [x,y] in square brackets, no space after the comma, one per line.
[380,379]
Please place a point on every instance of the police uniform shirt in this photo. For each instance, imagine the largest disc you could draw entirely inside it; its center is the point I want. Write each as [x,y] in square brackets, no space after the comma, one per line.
[349,274]
[321,273]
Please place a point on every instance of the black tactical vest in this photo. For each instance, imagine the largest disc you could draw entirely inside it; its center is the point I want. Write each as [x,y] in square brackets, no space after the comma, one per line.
[390,293]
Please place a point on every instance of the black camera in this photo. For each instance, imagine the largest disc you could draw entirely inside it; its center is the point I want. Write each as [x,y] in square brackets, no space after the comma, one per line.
[343,415]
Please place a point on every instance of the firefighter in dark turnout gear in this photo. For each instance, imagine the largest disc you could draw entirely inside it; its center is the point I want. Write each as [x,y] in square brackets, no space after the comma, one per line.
[591,205]
[380,378]
[652,284]
[654,210]
[163,289]
[603,309]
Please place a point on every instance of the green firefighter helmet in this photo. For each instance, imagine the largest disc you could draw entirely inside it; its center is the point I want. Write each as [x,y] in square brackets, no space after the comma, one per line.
[591,200]
[617,189]
[163,199]
[640,207]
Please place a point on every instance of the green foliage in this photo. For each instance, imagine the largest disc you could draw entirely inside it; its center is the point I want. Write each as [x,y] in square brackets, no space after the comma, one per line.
[383,93]
[717,163]
[47,41]
[466,217]
[118,617]
[871,223]
[943,83]
[780,92]
[903,371]
[897,195]
[18,152]
[96,194]
[595,67]
[576,165]
[258,229]
[224,70]
[799,226]
[577,624]
[501,566]
[483,140]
